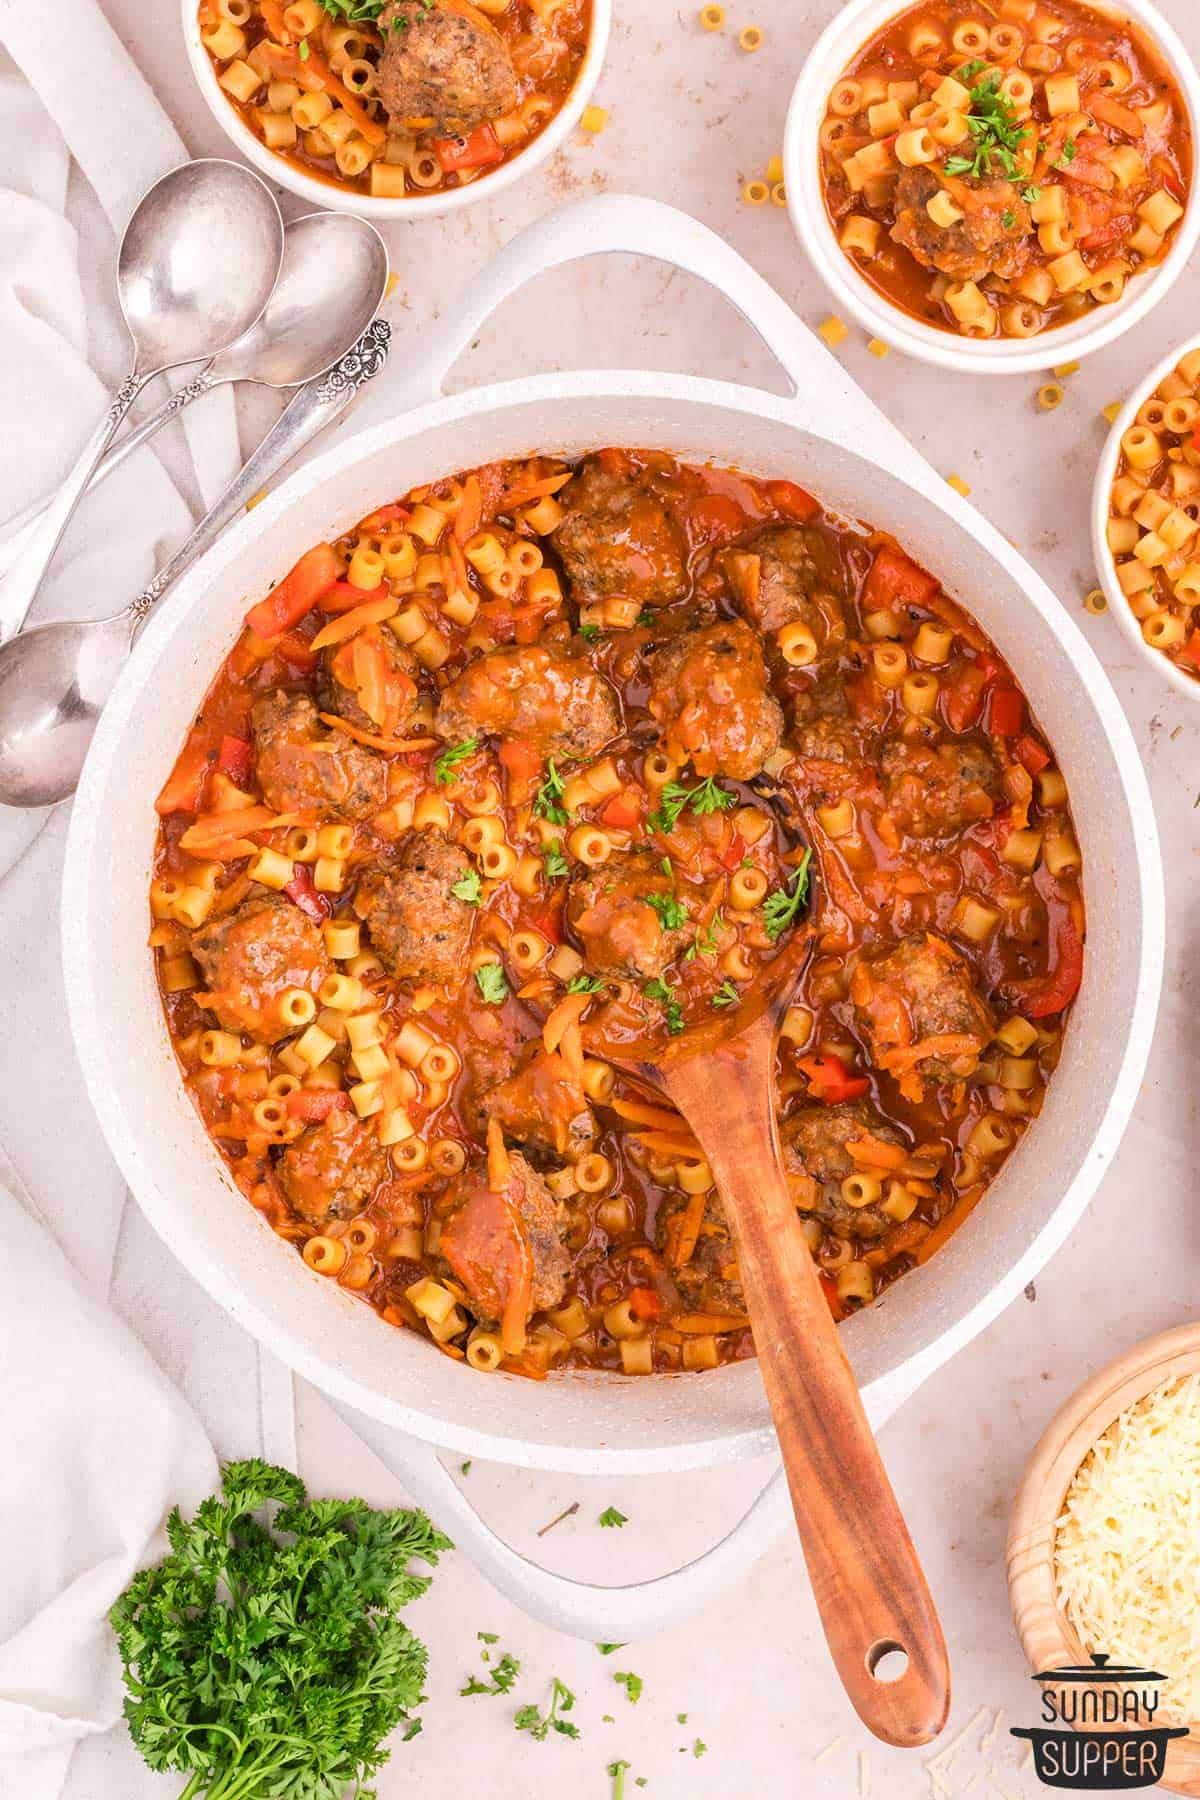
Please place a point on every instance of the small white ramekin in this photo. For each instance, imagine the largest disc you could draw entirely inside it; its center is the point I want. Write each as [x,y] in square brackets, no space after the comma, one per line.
[413,206]
[843,38]
[1106,567]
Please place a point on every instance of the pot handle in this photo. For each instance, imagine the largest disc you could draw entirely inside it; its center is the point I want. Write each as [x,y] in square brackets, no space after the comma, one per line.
[582,1609]
[607,224]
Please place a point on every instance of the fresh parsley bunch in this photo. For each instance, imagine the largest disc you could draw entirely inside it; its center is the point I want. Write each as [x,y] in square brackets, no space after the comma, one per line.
[268,1661]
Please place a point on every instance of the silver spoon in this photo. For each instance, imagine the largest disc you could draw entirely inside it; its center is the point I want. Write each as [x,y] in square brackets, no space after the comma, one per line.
[196,267]
[331,282]
[56,678]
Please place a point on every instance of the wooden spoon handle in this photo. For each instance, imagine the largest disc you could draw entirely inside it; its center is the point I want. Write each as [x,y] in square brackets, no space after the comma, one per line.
[869,1586]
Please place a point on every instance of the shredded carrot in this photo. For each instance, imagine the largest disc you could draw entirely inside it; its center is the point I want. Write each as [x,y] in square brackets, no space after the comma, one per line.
[532,490]
[499,1167]
[346,625]
[214,828]
[689,1231]
[923,1188]
[876,1153]
[521,1365]
[567,1012]
[316,77]
[387,744]
[946,1044]
[272,12]
[670,1145]
[469,515]
[640,1114]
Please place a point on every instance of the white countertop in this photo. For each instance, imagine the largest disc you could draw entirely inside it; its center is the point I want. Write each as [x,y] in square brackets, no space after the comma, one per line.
[691,118]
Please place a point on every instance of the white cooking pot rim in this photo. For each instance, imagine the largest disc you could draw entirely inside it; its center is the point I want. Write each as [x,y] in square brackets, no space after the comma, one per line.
[939,1341]
[855,23]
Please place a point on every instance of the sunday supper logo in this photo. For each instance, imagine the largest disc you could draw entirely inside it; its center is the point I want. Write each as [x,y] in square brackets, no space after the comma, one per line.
[1098,1729]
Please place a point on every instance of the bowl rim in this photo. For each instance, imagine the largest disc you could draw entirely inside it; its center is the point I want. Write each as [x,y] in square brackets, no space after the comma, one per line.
[860,19]
[332,197]
[1047,1639]
[1106,568]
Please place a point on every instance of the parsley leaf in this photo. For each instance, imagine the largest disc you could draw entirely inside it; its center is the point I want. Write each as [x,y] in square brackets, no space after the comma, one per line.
[1031,194]
[1008,219]
[994,128]
[726,995]
[488,1637]
[670,909]
[610,1516]
[448,761]
[781,908]
[1068,154]
[466,1467]
[538,1725]
[502,1676]
[492,983]
[585,984]
[969,70]
[631,1683]
[647,616]
[469,888]
[277,1646]
[554,862]
[302,50]
[589,632]
[607,1649]
[617,1771]
[658,990]
[699,1747]
[706,942]
[547,800]
[706,797]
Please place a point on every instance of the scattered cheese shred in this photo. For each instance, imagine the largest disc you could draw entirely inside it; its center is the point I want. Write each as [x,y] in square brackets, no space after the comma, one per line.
[835,331]
[959,485]
[775,170]
[1113,410]
[1127,1549]
[594,118]
[878,348]
[1065,369]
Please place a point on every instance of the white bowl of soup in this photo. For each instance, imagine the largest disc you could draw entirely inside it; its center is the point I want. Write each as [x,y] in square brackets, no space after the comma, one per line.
[326,108]
[1145,512]
[998,188]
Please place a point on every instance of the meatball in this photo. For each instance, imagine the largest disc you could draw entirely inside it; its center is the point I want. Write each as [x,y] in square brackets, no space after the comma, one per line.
[822,729]
[490,1238]
[991,238]
[920,993]
[304,768]
[709,689]
[935,793]
[817,1162]
[250,958]
[331,1170]
[542,1107]
[619,538]
[450,70]
[795,574]
[538,693]
[371,682]
[708,1280]
[419,928]
[621,933]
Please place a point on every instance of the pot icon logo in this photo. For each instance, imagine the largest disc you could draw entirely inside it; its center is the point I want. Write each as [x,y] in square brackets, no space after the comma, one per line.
[1098,1730]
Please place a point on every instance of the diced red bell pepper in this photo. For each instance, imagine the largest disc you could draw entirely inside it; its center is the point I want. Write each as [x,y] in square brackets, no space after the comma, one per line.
[236,759]
[296,594]
[621,812]
[896,580]
[792,501]
[391,514]
[184,785]
[343,596]
[314,1104]
[1030,754]
[830,1080]
[296,650]
[549,923]
[644,1303]
[1050,993]
[1191,650]
[736,851]
[1006,713]
[962,701]
[301,892]
[479,149]
[833,1298]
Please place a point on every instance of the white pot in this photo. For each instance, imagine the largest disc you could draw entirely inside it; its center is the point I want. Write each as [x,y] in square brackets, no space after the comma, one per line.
[829,438]
[854,25]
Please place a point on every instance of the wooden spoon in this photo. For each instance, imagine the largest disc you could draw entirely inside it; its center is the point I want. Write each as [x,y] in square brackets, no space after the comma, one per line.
[869,1586]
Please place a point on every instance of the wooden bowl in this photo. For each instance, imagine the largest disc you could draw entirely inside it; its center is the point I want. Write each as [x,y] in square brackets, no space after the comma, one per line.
[1046,1637]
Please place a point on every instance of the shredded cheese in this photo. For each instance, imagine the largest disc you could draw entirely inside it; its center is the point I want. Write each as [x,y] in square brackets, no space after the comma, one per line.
[1127,1543]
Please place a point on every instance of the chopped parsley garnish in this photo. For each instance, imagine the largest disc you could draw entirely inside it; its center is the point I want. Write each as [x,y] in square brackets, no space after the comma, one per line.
[267,1649]
[538,1724]
[706,942]
[501,1678]
[970,70]
[585,984]
[492,983]
[631,1683]
[448,761]
[1008,219]
[1068,155]
[706,797]
[589,632]
[617,1771]
[554,862]
[465,1468]
[607,1649]
[995,129]
[488,1637]
[781,908]
[727,994]
[547,801]
[1031,194]
[681,1718]
[670,909]
[302,50]
[468,887]
[353,12]
[658,990]
[699,1747]
[646,616]
[610,1516]
[666,867]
